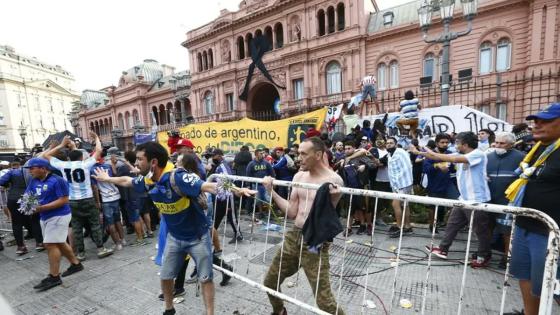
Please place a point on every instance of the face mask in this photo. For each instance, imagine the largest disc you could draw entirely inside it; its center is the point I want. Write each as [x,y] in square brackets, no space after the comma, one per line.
[391,150]
[216,161]
[442,150]
[500,151]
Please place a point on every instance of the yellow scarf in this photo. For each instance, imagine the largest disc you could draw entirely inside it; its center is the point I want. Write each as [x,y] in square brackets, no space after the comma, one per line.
[168,168]
[527,171]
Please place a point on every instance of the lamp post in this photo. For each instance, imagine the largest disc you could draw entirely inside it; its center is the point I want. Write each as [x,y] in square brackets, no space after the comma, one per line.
[23,134]
[446,7]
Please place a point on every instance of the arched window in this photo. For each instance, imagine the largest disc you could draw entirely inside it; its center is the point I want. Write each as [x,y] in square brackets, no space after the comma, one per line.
[205,60]
[394,74]
[340,15]
[135,117]
[210,59]
[258,33]
[279,32]
[169,112]
[208,103]
[155,116]
[430,65]
[249,40]
[240,48]
[120,119]
[162,115]
[321,22]
[127,120]
[106,125]
[268,35]
[334,78]
[91,127]
[503,55]
[330,19]
[199,61]
[381,76]
[485,55]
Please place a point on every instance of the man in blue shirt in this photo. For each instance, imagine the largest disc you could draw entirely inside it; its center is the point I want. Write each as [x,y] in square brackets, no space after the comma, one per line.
[52,194]
[473,187]
[282,170]
[260,168]
[188,226]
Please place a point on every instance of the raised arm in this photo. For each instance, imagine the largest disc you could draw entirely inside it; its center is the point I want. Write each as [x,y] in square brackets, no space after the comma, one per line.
[98,147]
[53,149]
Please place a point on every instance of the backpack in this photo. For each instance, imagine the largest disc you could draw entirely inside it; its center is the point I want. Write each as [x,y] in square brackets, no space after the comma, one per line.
[201,200]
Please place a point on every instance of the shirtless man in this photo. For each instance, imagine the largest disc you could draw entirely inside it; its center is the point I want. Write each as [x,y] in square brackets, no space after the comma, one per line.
[314,171]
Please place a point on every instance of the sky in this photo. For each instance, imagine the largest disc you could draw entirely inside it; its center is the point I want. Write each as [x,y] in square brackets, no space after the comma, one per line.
[97,40]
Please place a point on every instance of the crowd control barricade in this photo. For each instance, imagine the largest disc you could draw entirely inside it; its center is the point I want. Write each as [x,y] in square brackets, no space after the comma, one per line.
[257,252]
[5,224]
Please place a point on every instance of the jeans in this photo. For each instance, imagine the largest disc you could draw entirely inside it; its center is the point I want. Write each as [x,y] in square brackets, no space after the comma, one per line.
[176,251]
[111,212]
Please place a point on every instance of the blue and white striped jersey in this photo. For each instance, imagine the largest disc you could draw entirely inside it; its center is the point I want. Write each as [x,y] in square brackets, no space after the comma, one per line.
[77,174]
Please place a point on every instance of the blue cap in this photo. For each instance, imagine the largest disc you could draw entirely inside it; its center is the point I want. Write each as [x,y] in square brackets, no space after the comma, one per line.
[37,162]
[549,113]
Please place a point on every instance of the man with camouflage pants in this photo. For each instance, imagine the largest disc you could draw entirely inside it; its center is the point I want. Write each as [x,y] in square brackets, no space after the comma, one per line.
[286,263]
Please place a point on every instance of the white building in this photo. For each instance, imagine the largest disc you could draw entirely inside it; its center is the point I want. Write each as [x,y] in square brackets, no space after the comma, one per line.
[35,95]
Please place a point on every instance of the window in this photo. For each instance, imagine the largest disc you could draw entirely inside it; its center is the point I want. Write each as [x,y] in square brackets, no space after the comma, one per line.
[121,121]
[381,76]
[485,65]
[394,78]
[1,119]
[501,111]
[279,31]
[334,78]
[229,100]
[340,15]
[240,48]
[485,109]
[503,55]
[136,117]
[429,66]
[298,89]
[209,103]
[330,19]
[388,18]
[321,22]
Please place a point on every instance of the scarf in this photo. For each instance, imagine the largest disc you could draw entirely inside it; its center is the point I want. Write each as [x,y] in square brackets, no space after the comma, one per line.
[516,191]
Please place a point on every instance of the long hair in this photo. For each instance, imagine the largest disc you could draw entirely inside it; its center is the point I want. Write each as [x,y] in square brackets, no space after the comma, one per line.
[190,163]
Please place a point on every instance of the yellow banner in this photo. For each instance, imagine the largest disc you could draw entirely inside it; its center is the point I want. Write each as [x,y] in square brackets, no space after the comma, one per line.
[230,136]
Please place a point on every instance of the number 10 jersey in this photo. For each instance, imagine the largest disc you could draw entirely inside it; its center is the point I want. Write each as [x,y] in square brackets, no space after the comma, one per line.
[77,174]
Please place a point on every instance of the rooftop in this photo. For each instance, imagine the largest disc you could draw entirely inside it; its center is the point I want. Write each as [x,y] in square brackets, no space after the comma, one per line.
[10,52]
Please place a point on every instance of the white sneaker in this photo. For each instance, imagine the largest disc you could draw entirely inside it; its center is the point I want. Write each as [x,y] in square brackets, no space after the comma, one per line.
[118,247]
[123,242]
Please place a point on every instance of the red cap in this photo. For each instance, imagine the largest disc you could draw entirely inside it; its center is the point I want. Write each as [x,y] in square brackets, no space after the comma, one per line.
[278,149]
[185,143]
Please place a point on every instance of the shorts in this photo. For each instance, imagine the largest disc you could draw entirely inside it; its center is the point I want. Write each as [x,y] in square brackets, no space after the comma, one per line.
[176,251]
[369,90]
[55,229]
[133,207]
[406,190]
[263,195]
[111,212]
[528,255]
[412,122]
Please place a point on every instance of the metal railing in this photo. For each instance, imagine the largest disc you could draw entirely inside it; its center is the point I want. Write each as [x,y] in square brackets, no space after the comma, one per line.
[549,285]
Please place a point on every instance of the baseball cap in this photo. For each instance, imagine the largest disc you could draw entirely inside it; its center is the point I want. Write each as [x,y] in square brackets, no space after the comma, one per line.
[278,149]
[364,138]
[185,143]
[37,162]
[4,163]
[549,113]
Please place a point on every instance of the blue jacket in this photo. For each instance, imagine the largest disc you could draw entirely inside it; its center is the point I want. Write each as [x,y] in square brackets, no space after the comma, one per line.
[281,170]
[501,173]
[438,181]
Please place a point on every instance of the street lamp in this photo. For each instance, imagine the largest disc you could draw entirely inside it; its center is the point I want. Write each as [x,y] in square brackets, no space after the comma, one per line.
[446,8]
[23,134]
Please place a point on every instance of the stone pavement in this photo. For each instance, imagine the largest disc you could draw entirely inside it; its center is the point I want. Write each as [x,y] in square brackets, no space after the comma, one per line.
[127,282]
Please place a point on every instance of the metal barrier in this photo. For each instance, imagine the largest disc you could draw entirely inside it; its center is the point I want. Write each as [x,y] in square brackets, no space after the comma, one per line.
[549,285]
[5,224]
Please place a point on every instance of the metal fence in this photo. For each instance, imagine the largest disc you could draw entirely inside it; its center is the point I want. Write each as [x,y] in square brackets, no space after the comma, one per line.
[549,281]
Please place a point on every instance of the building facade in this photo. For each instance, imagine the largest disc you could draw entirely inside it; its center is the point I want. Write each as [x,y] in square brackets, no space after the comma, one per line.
[507,66]
[35,100]
[147,94]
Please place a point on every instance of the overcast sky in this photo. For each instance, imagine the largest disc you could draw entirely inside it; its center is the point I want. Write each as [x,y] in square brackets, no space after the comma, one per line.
[97,40]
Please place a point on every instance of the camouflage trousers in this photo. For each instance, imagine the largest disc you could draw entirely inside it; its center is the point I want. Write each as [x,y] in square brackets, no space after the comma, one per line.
[312,265]
[85,214]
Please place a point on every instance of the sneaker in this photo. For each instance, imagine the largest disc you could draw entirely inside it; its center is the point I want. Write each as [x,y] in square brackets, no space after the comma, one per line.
[361,229]
[176,293]
[39,247]
[393,228]
[139,242]
[380,222]
[480,262]
[73,269]
[104,252]
[169,312]
[123,242]
[48,283]
[397,233]
[117,247]
[441,253]
[150,234]
[238,239]
[225,277]
[81,256]
[21,251]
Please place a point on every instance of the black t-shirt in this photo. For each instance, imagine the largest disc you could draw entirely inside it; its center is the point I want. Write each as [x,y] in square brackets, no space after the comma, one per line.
[542,192]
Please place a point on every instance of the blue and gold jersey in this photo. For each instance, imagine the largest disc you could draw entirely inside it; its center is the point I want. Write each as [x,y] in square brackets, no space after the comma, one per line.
[185,219]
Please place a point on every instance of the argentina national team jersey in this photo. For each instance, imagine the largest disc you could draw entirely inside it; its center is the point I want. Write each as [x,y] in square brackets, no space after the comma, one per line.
[472,178]
[185,220]
[77,174]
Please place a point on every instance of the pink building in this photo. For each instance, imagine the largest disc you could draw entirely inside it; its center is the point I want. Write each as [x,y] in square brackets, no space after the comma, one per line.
[506,67]
[146,93]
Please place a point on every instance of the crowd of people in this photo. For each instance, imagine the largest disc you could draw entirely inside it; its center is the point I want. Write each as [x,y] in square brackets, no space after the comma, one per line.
[105,192]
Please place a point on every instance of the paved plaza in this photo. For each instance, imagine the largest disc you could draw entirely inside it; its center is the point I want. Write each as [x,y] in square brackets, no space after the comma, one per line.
[127,282]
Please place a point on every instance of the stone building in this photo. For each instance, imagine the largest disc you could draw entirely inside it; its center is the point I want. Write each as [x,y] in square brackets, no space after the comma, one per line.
[35,100]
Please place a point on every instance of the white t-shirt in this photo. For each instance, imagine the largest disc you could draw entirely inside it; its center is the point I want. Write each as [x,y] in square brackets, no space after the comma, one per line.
[471,177]
[77,174]
[368,80]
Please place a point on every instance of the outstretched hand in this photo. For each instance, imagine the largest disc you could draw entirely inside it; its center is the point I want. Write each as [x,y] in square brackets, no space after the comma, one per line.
[245,192]
[101,174]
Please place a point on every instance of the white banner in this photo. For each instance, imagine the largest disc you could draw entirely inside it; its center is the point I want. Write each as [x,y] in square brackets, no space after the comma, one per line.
[333,113]
[447,119]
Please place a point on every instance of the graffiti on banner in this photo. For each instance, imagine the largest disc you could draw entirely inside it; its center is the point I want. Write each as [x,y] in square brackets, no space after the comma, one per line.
[454,118]
[230,136]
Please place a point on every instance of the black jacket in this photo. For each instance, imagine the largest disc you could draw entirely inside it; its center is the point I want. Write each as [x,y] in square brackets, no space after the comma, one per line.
[322,224]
